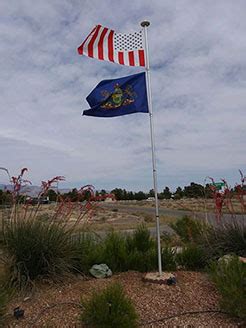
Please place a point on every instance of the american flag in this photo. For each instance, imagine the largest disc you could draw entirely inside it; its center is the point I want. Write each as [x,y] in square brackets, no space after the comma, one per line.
[104,44]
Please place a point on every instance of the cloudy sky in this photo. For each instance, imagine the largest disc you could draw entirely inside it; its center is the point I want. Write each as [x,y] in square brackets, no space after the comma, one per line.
[198,70]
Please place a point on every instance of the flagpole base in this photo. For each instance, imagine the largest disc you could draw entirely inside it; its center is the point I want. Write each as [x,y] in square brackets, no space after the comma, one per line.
[156,278]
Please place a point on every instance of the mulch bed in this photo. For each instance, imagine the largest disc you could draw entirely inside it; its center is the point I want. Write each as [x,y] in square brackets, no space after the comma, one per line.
[52,305]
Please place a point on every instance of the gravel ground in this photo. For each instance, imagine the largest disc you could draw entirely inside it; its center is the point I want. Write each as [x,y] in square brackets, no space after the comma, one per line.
[193,292]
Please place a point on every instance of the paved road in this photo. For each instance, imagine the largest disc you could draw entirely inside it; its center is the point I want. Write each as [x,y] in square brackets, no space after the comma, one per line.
[210,217]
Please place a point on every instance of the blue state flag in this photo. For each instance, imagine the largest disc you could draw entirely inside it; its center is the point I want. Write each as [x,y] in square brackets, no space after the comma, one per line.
[126,95]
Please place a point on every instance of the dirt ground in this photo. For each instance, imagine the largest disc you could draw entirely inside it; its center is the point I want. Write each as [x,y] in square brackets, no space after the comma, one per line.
[187,204]
[54,306]
[57,305]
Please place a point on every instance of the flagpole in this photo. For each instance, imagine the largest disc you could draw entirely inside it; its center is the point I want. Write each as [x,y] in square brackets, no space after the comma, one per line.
[145,24]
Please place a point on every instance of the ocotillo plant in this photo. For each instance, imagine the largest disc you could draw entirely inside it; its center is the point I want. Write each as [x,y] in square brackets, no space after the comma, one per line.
[228,196]
[34,247]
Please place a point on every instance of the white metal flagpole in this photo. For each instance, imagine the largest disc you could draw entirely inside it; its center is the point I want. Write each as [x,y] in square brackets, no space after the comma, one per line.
[145,24]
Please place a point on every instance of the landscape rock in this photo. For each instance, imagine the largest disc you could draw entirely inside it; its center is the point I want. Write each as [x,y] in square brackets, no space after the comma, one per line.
[100,271]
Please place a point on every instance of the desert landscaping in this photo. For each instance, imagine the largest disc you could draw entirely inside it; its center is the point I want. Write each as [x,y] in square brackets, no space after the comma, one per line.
[55,301]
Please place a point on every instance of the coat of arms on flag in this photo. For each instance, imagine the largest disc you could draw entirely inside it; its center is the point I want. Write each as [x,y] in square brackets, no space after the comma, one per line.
[118,97]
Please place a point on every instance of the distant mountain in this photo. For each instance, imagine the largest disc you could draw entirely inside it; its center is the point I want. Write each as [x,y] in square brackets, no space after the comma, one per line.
[32,191]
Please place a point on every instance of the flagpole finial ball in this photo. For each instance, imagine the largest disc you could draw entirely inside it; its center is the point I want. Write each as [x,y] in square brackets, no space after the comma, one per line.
[145,24]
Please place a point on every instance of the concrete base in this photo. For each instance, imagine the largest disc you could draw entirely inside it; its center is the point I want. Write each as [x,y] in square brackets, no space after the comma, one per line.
[154,277]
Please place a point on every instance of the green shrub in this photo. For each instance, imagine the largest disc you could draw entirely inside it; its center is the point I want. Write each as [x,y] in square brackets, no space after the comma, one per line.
[132,252]
[168,257]
[188,229]
[141,250]
[88,251]
[109,308]
[224,239]
[37,249]
[142,261]
[191,258]
[112,251]
[230,280]
[140,240]
[119,252]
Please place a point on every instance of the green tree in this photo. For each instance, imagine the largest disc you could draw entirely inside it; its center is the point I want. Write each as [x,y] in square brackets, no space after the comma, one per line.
[207,191]
[118,193]
[103,192]
[52,195]
[167,193]
[140,195]
[124,194]
[178,193]
[194,190]
[130,195]
[5,197]
[72,195]
[151,193]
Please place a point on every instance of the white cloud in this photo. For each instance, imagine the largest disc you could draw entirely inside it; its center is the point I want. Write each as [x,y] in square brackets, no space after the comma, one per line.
[197,52]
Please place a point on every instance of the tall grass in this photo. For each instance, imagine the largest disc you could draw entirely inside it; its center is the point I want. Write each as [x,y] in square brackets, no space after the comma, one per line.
[168,257]
[38,249]
[191,258]
[211,242]
[224,239]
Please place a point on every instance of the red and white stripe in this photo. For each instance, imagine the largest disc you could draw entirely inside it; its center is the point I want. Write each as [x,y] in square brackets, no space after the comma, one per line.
[104,44]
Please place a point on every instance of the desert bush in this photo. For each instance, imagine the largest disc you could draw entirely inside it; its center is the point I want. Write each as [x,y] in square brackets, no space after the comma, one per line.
[224,239]
[229,277]
[112,251]
[168,257]
[141,250]
[142,261]
[188,229]
[141,240]
[119,252]
[88,251]
[109,308]
[191,258]
[38,249]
